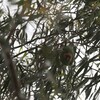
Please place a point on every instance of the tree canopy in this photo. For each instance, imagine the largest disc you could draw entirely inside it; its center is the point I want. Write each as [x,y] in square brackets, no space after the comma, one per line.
[49,49]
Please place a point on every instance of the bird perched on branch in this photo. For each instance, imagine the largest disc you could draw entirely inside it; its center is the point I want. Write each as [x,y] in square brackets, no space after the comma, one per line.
[67,55]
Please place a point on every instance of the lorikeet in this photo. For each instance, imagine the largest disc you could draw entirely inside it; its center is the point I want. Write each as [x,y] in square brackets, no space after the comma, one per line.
[67,55]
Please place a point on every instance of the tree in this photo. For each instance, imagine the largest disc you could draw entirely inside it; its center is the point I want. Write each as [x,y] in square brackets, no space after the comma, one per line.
[32,41]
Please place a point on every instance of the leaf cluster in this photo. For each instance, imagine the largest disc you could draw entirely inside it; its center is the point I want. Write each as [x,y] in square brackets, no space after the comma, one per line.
[36,54]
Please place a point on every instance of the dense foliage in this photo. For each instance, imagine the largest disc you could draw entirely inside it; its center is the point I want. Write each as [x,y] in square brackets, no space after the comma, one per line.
[33,35]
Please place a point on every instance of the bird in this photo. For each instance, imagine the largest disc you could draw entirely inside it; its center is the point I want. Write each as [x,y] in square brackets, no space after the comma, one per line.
[67,55]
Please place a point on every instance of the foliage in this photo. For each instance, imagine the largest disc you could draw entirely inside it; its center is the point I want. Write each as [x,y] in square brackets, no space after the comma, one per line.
[32,39]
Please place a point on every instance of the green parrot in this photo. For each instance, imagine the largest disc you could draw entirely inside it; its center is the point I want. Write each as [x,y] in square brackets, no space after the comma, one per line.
[67,55]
